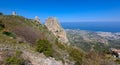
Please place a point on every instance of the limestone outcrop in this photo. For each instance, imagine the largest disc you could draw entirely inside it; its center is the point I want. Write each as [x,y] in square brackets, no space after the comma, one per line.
[37,19]
[53,25]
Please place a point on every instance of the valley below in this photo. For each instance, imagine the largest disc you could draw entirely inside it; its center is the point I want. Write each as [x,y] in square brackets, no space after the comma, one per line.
[89,40]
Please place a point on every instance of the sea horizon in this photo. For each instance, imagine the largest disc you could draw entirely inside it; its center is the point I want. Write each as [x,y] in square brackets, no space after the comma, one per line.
[113,27]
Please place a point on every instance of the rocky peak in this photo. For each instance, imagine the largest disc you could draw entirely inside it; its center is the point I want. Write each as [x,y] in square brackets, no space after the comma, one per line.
[53,25]
[37,19]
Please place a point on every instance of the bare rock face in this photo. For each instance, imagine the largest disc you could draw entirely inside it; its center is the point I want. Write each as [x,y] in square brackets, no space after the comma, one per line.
[53,25]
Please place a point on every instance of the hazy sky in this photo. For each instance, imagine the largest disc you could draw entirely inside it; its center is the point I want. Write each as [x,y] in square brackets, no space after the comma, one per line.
[65,10]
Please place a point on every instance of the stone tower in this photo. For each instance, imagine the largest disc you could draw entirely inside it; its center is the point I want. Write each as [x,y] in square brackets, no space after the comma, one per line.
[14,13]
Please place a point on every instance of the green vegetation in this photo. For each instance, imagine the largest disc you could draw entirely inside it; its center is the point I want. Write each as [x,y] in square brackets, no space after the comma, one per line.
[18,53]
[43,46]
[97,58]
[100,47]
[118,61]
[1,13]
[14,60]
[61,46]
[1,25]
[10,34]
[38,38]
[76,55]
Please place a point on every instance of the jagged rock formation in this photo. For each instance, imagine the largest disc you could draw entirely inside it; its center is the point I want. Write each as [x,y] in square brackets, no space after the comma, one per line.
[14,13]
[37,19]
[53,25]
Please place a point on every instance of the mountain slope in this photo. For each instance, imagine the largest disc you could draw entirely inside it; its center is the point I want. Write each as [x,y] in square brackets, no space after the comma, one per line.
[17,31]
[25,41]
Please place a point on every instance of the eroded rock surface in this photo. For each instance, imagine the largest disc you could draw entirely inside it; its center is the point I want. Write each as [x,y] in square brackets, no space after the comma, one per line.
[53,25]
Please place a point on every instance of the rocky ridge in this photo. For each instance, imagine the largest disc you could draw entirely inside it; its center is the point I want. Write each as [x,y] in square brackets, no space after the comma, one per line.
[21,31]
[54,26]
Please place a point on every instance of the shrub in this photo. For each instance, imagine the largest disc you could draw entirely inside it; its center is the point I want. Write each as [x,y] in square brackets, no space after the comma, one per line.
[43,46]
[14,59]
[9,34]
[18,53]
[1,13]
[118,61]
[1,25]
[61,46]
[76,55]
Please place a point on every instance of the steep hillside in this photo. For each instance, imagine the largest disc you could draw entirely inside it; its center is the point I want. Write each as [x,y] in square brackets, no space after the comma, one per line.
[34,41]
[27,42]
[26,29]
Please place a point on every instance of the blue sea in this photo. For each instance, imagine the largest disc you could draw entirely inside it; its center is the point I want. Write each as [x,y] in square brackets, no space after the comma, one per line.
[93,26]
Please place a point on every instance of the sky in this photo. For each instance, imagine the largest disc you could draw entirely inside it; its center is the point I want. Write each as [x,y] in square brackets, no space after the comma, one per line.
[64,10]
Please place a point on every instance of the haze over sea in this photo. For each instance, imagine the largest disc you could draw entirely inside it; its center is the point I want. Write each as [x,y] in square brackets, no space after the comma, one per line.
[93,26]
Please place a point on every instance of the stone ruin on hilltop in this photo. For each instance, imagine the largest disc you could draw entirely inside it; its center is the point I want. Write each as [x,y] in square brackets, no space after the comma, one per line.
[14,13]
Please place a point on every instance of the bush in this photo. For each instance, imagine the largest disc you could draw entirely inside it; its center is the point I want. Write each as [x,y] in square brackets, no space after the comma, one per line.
[118,61]
[1,25]
[1,13]
[76,55]
[9,34]
[18,53]
[60,45]
[43,46]
[14,59]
